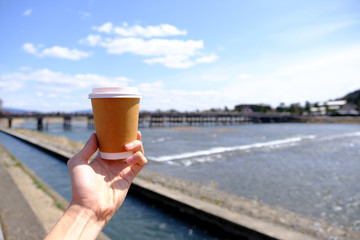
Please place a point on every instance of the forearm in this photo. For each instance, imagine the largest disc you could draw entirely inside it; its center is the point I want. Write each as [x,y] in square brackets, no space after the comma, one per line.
[76,223]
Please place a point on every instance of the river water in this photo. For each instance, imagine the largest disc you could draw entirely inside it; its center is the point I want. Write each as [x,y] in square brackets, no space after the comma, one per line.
[310,169]
[136,219]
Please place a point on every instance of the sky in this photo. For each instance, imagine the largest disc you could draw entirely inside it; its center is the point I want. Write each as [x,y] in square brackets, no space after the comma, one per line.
[181,54]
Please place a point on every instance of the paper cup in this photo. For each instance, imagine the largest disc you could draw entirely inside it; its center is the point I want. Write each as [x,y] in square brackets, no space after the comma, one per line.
[116,116]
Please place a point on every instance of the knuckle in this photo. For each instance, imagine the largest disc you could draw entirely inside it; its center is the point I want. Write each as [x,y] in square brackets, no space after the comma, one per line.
[143,159]
[69,162]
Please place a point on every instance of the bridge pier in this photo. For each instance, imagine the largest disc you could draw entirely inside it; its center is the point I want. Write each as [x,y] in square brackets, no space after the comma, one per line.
[90,122]
[39,123]
[67,122]
[157,121]
[9,122]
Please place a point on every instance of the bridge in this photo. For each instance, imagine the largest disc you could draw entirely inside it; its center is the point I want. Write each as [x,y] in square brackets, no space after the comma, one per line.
[165,119]
[206,119]
[41,116]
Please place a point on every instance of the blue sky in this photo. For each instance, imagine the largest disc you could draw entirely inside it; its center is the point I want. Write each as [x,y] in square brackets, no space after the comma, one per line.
[184,55]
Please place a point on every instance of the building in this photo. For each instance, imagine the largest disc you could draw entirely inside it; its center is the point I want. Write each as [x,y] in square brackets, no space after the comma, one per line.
[328,107]
[335,105]
[349,109]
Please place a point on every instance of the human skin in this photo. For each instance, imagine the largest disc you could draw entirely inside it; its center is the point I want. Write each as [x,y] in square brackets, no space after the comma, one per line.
[98,190]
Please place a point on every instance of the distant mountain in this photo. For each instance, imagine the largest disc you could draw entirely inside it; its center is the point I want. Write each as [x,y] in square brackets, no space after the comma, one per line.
[353,97]
[86,111]
[22,111]
[16,111]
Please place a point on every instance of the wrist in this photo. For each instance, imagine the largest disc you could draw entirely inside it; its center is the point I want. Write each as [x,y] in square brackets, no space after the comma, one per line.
[77,223]
[84,214]
[100,217]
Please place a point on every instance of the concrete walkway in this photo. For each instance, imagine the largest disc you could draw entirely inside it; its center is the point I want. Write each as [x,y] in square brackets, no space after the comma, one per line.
[18,221]
[1,233]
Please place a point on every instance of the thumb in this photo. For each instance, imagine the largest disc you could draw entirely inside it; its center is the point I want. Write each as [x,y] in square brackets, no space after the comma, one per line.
[88,150]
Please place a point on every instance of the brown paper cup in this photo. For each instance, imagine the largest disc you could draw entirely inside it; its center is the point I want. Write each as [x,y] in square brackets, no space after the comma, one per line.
[116,115]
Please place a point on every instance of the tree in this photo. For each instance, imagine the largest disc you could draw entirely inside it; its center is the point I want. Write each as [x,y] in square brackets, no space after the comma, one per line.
[281,108]
[307,106]
[296,108]
[173,111]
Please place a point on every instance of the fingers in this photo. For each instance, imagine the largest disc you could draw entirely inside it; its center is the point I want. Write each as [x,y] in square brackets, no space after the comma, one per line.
[135,146]
[136,162]
[88,150]
[137,158]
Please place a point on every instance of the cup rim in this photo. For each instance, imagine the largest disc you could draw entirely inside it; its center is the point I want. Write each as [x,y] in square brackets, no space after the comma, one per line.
[115,92]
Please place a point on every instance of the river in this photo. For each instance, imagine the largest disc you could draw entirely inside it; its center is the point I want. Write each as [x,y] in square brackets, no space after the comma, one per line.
[135,220]
[310,169]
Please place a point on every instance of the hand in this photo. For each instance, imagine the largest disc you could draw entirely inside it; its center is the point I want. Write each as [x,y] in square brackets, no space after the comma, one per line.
[102,185]
[99,188]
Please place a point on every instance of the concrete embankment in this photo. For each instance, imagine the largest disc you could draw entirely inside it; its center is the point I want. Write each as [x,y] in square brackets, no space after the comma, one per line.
[222,221]
[29,208]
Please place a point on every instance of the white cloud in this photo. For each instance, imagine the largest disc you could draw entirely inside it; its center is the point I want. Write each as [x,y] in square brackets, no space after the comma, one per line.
[9,85]
[49,81]
[56,52]
[61,82]
[27,12]
[162,30]
[244,76]
[47,90]
[25,68]
[157,96]
[106,28]
[172,61]
[312,32]
[327,62]
[314,78]
[207,59]
[53,91]
[85,15]
[214,78]
[63,52]
[171,53]
[145,41]
[91,40]
[153,47]
[29,48]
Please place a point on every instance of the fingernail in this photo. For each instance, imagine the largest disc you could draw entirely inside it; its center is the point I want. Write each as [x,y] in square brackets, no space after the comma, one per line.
[130,159]
[129,145]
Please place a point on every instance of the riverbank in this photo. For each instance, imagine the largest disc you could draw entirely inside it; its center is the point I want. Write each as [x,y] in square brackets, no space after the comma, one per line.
[242,208]
[335,119]
[29,208]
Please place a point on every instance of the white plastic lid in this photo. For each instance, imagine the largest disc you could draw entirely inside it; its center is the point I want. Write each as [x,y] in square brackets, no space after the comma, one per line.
[115,92]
